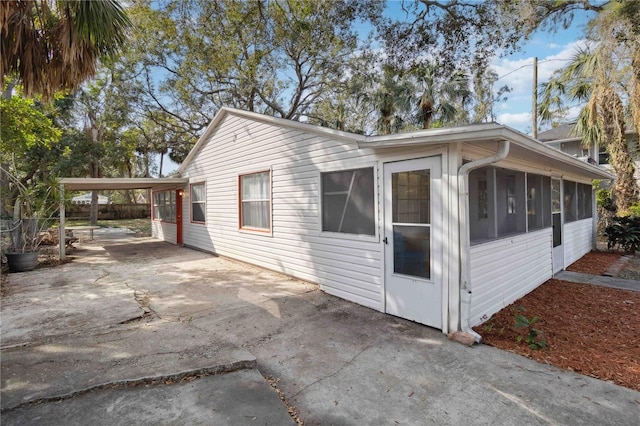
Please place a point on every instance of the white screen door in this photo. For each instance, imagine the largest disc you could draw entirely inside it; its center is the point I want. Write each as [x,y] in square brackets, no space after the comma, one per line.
[413,237]
[556,218]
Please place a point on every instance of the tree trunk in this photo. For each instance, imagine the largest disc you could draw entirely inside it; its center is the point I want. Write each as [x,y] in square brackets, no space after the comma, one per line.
[625,189]
[93,216]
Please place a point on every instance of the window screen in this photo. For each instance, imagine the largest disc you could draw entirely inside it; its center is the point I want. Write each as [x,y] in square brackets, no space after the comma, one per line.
[585,201]
[570,201]
[538,201]
[510,202]
[198,202]
[348,202]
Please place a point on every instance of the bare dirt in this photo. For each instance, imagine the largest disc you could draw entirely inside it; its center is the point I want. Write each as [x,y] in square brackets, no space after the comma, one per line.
[588,329]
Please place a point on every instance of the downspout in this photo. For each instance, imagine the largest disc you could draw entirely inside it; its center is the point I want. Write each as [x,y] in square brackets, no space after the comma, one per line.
[465,238]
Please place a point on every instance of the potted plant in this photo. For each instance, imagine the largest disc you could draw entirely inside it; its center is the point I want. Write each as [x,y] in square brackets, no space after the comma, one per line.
[31,216]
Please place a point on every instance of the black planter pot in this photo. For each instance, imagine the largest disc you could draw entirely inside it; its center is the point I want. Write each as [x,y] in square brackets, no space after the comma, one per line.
[21,262]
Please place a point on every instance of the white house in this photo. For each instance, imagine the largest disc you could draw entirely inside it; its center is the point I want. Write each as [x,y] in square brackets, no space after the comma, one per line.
[86,199]
[562,138]
[442,226]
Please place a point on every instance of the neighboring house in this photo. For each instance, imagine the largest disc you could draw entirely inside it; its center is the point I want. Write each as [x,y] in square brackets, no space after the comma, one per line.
[140,199]
[442,226]
[86,199]
[561,138]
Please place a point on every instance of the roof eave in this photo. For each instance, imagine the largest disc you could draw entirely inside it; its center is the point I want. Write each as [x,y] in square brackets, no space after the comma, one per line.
[88,184]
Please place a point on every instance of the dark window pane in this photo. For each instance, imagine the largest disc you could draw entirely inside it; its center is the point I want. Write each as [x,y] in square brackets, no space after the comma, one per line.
[164,206]
[570,202]
[198,212]
[332,208]
[337,181]
[585,201]
[348,202]
[412,251]
[557,229]
[198,203]
[411,196]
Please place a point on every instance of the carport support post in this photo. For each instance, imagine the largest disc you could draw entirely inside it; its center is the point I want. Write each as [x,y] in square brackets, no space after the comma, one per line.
[61,228]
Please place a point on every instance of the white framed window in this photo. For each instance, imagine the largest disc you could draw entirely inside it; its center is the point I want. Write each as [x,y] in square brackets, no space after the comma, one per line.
[510,202]
[255,201]
[164,206]
[505,202]
[585,201]
[570,201]
[538,201]
[348,201]
[198,202]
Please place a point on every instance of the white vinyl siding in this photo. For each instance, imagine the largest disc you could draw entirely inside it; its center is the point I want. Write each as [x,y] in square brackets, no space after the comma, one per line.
[164,231]
[504,270]
[348,268]
[577,240]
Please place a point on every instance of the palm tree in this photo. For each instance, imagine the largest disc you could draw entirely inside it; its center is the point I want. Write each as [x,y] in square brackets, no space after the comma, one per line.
[53,45]
[442,97]
[392,100]
[597,76]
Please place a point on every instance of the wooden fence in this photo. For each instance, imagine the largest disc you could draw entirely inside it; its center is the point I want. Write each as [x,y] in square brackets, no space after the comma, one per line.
[110,211]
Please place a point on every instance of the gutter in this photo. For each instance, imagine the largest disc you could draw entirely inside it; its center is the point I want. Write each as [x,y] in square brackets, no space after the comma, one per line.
[465,238]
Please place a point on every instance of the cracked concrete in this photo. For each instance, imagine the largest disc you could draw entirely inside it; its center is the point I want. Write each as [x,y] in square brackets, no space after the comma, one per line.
[336,362]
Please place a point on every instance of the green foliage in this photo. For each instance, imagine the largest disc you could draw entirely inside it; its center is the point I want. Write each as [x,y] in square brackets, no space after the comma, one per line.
[604,200]
[624,233]
[634,210]
[54,45]
[534,337]
[34,209]
[24,126]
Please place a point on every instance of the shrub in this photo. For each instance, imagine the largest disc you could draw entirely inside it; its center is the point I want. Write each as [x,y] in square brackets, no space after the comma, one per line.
[624,233]
[604,200]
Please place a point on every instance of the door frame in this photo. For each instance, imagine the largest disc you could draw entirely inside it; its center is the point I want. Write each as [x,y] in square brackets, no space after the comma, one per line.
[179,193]
[557,252]
[431,162]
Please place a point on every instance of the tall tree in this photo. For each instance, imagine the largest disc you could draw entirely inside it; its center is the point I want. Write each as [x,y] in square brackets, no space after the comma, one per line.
[54,45]
[28,133]
[600,76]
[442,97]
[275,57]
[393,100]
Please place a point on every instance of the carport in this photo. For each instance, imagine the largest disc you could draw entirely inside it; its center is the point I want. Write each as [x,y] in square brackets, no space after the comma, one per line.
[101,184]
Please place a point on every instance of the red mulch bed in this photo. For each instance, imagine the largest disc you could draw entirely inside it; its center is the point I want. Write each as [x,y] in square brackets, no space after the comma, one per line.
[595,262]
[588,329]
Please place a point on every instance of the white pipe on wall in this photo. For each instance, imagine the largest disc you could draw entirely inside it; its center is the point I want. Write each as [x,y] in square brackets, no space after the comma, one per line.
[465,239]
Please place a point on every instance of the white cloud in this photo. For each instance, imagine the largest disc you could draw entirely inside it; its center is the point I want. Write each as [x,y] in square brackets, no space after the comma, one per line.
[519,121]
[518,75]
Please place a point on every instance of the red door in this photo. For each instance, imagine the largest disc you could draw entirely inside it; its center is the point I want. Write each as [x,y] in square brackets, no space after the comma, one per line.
[179,216]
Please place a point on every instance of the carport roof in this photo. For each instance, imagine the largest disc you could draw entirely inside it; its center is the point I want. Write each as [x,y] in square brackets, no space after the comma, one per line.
[87,184]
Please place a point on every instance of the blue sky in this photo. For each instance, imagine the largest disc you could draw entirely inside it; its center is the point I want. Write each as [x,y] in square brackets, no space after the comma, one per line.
[553,51]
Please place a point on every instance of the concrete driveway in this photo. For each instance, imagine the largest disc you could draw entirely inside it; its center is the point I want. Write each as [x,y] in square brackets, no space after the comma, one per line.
[137,331]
